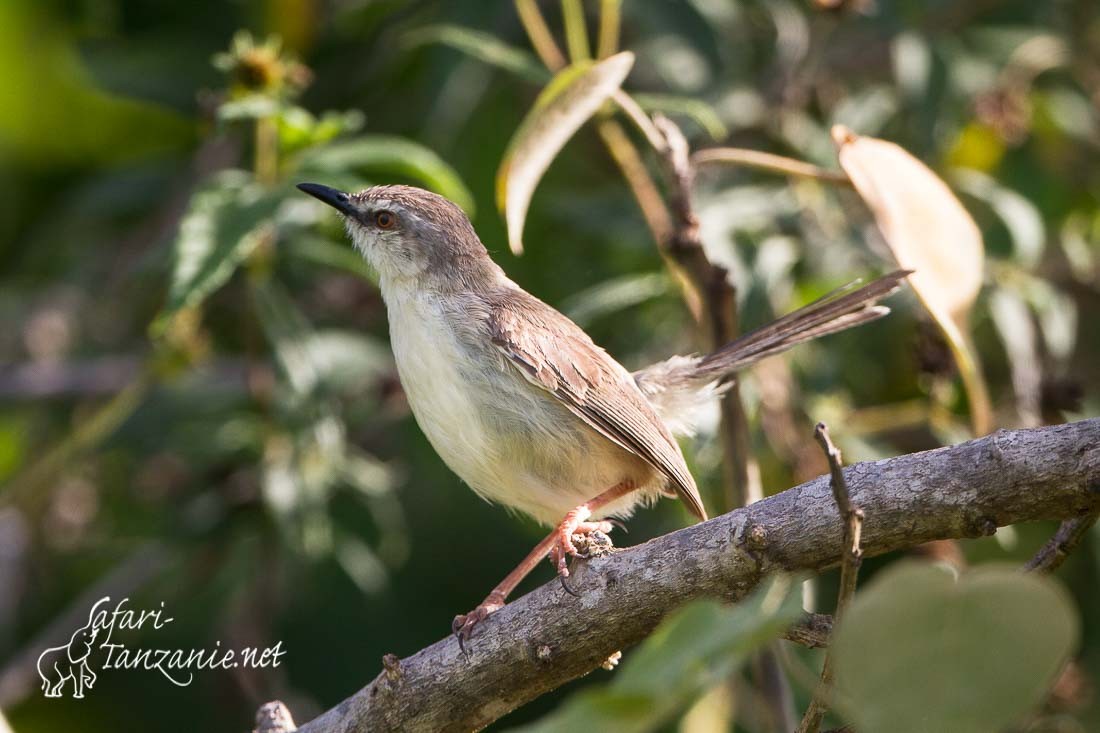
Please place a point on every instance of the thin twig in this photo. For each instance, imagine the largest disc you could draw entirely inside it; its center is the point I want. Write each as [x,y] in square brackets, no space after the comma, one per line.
[852,557]
[812,631]
[1065,540]
[768,162]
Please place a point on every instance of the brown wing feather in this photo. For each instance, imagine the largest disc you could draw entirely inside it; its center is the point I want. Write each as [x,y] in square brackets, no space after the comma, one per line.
[555,354]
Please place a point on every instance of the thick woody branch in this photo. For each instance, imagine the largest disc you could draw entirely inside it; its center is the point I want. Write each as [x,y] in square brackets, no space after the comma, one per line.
[548,637]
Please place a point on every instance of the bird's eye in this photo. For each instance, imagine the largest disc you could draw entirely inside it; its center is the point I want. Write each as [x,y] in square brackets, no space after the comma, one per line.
[385,220]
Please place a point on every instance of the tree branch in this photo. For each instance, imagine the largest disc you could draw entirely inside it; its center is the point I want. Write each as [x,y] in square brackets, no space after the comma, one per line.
[1070,533]
[548,637]
[850,561]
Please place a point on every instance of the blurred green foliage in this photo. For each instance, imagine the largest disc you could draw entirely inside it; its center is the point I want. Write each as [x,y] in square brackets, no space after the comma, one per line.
[197,404]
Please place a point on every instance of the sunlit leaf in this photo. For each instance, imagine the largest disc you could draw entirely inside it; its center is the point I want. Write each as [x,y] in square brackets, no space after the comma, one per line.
[920,651]
[346,359]
[322,251]
[690,651]
[615,295]
[868,109]
[1020,216]
[930,232]
[299,128]
[483,47]
[313,359]
[367,474]
[226,220]
[912,58]
[249,107]
[1080,230]
[699,111]
[361,563]
[573,96]
[287,330]
[388,154]
[1017,331]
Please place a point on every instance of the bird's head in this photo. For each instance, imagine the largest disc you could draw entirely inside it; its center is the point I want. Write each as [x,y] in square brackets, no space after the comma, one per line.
[410,236]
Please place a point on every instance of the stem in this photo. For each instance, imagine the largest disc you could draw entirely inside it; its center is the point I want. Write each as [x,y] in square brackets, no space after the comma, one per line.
[641,120]
[768,162]
[576,35]
[629,160]
[610,22]
[977,394]
[539,33]
[266,163]
[89,433]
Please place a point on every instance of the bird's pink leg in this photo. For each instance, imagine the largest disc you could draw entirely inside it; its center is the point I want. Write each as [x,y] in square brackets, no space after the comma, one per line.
[558,544]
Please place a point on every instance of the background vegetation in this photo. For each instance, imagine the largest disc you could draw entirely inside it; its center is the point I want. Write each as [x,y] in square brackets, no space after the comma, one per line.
[197,403]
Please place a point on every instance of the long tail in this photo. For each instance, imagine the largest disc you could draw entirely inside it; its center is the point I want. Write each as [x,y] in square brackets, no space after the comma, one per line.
[678,386]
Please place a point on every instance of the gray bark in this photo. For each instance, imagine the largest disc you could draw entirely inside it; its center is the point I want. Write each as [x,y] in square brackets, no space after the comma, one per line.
[548,637]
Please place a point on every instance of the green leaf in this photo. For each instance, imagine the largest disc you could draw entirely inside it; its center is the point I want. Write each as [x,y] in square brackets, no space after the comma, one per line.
[615,295]
[226,219]
[690,651]
[322,251]
[1020,216]
[299,128]
[699,111]
[390,154]
[921,651]
[249,107]
[483,47]
[573,96]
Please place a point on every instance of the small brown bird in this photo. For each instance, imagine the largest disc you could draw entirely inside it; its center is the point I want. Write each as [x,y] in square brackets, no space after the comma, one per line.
[519,401]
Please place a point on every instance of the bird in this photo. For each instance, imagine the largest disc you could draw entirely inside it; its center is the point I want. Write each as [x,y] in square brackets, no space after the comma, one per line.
[520,402]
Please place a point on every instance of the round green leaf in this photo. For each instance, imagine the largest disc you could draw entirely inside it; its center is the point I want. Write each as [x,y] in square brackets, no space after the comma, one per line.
[921,651]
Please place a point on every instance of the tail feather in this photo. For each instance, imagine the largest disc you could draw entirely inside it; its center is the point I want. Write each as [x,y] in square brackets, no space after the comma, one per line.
[676,383]
[840,309]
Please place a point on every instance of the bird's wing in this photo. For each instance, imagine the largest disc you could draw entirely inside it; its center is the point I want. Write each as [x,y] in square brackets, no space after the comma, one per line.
[553,353]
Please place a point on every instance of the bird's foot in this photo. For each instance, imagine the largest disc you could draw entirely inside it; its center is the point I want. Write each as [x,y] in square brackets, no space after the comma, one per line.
[464,623]
[572,530]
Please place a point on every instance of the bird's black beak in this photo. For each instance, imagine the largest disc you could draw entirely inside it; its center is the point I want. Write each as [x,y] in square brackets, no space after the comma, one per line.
[336,199]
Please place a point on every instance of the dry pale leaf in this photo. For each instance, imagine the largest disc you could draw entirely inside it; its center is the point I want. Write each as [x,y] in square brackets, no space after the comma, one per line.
[571,98]
[929,232]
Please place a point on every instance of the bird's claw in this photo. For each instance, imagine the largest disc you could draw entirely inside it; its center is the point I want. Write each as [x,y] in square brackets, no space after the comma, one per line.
[464,623]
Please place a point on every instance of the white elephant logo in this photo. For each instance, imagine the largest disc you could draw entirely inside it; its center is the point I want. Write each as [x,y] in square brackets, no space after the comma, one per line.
[60,664]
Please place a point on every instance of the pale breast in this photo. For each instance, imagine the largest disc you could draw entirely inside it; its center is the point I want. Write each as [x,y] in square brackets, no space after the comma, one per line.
[512,442]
